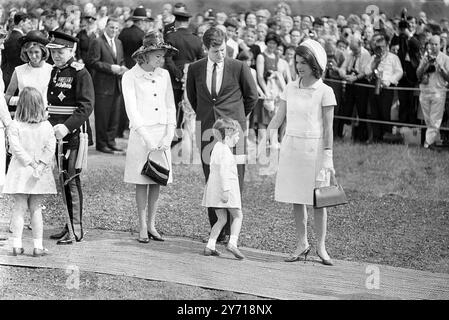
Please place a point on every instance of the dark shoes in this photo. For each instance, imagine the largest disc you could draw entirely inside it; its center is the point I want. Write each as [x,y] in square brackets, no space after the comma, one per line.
[155,238]
[210,252]
[235,251]
[105,150]
[65,239]
[143,240]
[59,235]
[114,148]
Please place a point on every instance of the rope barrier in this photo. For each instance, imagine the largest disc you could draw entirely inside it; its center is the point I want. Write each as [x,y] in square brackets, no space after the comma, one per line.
[399,124]
[372,86]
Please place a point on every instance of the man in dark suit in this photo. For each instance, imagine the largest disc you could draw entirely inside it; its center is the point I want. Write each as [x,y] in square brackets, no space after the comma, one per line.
[11,52]
[132,39]
[219,87]
[106,60]
[190,49]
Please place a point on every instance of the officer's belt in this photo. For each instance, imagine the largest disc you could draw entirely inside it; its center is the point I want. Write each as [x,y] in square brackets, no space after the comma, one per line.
[68,110]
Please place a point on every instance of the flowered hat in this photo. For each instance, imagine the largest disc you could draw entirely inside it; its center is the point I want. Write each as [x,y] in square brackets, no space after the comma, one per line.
[152,41]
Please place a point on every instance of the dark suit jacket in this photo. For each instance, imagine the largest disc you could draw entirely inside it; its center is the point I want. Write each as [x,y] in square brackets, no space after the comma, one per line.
[190,49]
[11,56]
[132,39]
[236,98]
[100,58]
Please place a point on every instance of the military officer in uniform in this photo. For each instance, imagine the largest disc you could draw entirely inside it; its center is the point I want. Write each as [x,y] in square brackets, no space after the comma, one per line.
[70,102]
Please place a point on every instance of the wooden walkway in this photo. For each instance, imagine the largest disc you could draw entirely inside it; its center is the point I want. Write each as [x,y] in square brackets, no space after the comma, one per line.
[262,273]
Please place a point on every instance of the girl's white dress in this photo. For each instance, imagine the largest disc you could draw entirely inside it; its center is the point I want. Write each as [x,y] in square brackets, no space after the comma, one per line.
[30,142]
[38,78]
[223,176]
[149,103]
[300,162]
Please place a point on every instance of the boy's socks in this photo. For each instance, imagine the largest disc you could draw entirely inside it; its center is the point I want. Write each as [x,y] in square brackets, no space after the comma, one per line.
[38,244]
[233,240]
[16,242]
[211,244]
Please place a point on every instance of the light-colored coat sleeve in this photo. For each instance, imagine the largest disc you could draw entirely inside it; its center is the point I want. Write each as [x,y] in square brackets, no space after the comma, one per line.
[48,150]
[129,96]
[397,70]
[16,147]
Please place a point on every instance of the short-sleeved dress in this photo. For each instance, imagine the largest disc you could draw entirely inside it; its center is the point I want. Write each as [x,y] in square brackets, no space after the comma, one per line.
[300,161]
[223,176]
[30,142]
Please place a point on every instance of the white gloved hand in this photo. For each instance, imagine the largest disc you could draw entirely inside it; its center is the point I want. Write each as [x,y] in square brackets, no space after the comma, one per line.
[328,160]
[60,131]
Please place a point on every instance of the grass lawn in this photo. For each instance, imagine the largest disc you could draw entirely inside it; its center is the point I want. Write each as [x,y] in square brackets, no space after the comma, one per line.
[397,215]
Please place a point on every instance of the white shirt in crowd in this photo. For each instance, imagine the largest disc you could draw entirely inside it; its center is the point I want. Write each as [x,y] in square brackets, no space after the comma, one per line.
[219,71]
[235,46]
[390,67]
[436,80]
[361,62]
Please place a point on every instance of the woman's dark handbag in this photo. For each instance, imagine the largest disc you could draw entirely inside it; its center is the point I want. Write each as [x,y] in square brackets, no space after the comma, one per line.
[155,171]
[331,196]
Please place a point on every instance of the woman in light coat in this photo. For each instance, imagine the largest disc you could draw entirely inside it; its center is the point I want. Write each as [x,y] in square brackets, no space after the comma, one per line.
[150,106]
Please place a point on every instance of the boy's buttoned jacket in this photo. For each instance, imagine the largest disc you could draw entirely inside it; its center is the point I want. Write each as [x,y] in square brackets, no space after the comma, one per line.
[148,97]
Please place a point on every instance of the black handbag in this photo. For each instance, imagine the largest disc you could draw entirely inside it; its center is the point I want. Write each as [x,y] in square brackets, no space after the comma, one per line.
[156,171]
[331,196]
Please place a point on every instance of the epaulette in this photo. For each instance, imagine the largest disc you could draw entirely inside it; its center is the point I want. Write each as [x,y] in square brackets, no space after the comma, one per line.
[77,65]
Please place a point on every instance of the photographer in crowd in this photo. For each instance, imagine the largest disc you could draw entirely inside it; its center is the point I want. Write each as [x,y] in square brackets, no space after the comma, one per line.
[433,73]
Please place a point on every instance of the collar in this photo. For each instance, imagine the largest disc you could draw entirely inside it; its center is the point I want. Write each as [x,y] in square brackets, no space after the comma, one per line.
[140,73]
[210,63]
[66,65]
[108,39]
[19,30]
[314,86]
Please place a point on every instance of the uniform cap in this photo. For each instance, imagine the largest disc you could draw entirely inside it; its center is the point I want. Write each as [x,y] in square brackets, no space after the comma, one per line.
[59,40]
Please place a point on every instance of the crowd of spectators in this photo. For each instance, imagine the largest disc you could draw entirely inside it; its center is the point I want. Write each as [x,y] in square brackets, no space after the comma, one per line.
[382,50]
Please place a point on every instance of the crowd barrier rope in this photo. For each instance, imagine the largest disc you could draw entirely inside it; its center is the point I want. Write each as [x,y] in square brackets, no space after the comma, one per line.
[372,86]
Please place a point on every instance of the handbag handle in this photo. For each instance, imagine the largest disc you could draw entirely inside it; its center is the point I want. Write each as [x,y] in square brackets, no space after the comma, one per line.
[166,158]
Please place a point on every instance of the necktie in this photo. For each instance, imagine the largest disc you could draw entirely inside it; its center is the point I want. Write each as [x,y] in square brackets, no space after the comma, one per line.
[214,82]
[111,43]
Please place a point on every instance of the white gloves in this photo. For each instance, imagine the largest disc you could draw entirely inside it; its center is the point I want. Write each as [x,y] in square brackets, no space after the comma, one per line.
[328,161]
[165,143]
[60,131]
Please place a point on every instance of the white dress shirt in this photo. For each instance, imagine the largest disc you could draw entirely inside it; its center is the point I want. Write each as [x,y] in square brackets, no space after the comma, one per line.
[219,71]
[111,42]
[390,66]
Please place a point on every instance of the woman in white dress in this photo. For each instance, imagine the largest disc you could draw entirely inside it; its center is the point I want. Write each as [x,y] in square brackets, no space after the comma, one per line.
[35,72]
[150,106]
[306,160]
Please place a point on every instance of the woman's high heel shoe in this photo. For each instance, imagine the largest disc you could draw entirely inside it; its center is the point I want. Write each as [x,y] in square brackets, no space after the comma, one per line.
[326,262]
[297,257]
[155,238]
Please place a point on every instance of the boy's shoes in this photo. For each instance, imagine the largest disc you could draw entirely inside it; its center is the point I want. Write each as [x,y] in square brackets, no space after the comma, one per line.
[235,251]
[39,252]
[210,252]
[17,251]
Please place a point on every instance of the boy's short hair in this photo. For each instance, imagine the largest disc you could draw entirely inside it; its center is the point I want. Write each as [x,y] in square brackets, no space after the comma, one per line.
[225,127]
[213,37]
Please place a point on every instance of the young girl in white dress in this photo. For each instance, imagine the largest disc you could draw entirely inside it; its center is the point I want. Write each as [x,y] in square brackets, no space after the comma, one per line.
[222,190]
[32,143]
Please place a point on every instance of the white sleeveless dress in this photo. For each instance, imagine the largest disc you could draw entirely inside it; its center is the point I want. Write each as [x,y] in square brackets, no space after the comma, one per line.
[37,78]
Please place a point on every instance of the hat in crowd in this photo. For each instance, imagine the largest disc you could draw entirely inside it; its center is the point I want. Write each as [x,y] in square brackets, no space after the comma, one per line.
[33,36]
[140,13]
[317,50]
[181,11]
[59,40]
[210,14]
[152,41]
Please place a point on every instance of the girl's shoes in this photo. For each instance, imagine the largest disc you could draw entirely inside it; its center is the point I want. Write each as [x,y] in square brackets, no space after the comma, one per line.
[297,257]
[40,252]
[326,262]
[210,252]
[235,251]
[143,240]
[17,251]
